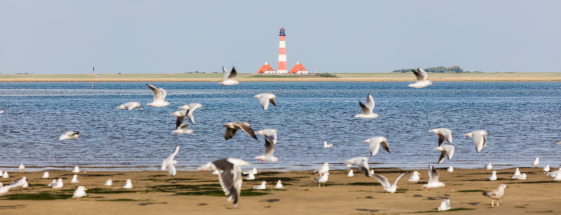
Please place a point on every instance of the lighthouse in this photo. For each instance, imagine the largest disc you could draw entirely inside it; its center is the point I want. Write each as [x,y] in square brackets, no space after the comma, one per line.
[282,53]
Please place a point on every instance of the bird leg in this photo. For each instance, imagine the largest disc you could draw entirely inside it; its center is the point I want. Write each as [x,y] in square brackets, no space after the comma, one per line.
[498,203]
[429,189]
[319,184]
[492,202]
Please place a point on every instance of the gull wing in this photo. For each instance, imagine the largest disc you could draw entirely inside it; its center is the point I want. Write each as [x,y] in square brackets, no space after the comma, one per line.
[420,74]
[69,132]
[230,132]
[247,128]
[171,169]
[172,155]
[365,109]
[442,156]
[374,148]
[264,102]
[226,175]
[364,168]
[433,175]
[396,180]
[157,93]
[383,180]
[480,141]
[183,126]
[449,151]
[233,73]
[385,145]
[237,186]
[192,107]
[269,147]
[272,100]
[190,115]
[441,139]
[448,135]
[226,73]
[370,103]
[179,120]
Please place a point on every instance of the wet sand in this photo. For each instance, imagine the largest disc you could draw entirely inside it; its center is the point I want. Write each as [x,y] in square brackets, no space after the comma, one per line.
[155,192]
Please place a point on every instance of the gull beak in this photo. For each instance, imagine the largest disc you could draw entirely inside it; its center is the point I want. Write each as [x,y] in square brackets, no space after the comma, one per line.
[85,189]
[247,164]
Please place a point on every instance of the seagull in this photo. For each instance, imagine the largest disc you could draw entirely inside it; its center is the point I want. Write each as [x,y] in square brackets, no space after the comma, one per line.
[228,78]
[446,151]
[75,179]
[489,167]
[128,184]
[493,176]
[253,171]
[546,168]
[19,183]
[182,129]
[76,169]
[159,97]
[367,109]
[58,184]
[230,176]
[269,133]
[69,135]
[496,194]
[323,169]
[45,175]
[261,187]
[390,188]
[536,162]
[1,111]
[361,162]
[325,145]
[190,108]
[351,173]
[169,162]
[444,205]
[322,179]
[129,106]
[180,117]
[520,177]
[52,183]
[265,99]
[109,182]
[80,192]
[279,185]
[375,143]
[479,138]
[250,176]
[21,169]
[421,79]
[232,127]
[415,177]
[443,134]
[5,175]
[433,179]
[5,189]
[553,173]
[557,177]
[450,169]
[269,150]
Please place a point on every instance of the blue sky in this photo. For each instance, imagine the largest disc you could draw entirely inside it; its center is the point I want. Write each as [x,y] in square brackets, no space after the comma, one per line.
[46,37]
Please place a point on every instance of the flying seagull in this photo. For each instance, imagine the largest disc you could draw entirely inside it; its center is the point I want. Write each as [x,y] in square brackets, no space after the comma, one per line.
[367,109]
[376,142]
[169,162]
[230,176]
[443,134]
[228,77]
[269,150]
[433,179]
[390,188]
[129,106]
[190,108]
[361,162]
[479,138]
[159,97]
[269,133]
[69,135]
[447,151]
[265,99]
[421,79]
[232,127]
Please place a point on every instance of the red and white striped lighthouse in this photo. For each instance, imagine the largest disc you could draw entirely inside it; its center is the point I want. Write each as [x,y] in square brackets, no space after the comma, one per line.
[282,53]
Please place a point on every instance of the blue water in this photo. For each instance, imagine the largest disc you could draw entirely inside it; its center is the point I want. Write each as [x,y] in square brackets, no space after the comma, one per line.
[522,120]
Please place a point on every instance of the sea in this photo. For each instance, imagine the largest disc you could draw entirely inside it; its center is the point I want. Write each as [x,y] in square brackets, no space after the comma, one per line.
[522,119]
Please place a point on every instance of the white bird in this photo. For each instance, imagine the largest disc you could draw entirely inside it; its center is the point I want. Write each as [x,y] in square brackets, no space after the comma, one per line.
[21,168]
[261,187]
[415,177]
[479,138]
[493,176]
[351,173]
[446,151]
[265,99]
[232,127]
[216,172]
[76,169]
[169,162]
[159,97]
[552,173]
[269,133]
[323,169]
[25,185]
[390,188]
[520,177]
[444,205]
[517,172]
[109,182]
[190,109]
[52,183]
[367,109]
[443,135]
[252,171]
[557,177]
[45,175]
[75,179]
[546,168]
[433,179]
[80,192]
[230,176]
[361,162]
[1,111]
[5,189]
[421,76]
[450,169]
[489,167]
[496,194]
[129,106]
[183,129]
[322,179]
[325,145]
[279,185]
[229,77]
[5,175]
[250,176]
[58,184]
[536,162]
[1,172]
[128,184]
[19,183]
[269,150]
[376,142]
[69,135]
[371,172]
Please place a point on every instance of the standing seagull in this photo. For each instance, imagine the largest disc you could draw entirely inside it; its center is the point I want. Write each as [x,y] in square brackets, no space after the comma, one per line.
[390,188]
[367,109]
[69,135]
[447,151]
[21,169]
[323,169]
[536,162]
[433,179]
[421,79]
[361,162]
[230,176]
[269,133]
[265,99]
[443,134]
[496,194]
[322,179]
[232,127]
[129,106]
[415,177]
[376,142]
[479,138]
[19,183]
[228,77]
[190,108]
[493,176]
[269,150]
[169,162]
[489,167]
[159,97]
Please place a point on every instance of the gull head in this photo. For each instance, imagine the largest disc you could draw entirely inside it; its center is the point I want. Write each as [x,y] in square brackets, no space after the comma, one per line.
[503,186]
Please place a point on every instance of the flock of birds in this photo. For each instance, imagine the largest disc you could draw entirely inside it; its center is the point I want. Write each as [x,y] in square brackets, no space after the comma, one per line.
[229,170]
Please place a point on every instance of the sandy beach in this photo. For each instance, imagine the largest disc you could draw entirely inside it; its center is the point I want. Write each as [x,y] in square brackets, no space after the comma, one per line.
[155,192]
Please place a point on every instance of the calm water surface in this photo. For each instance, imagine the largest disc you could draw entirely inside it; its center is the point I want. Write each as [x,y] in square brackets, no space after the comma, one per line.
[522,120]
